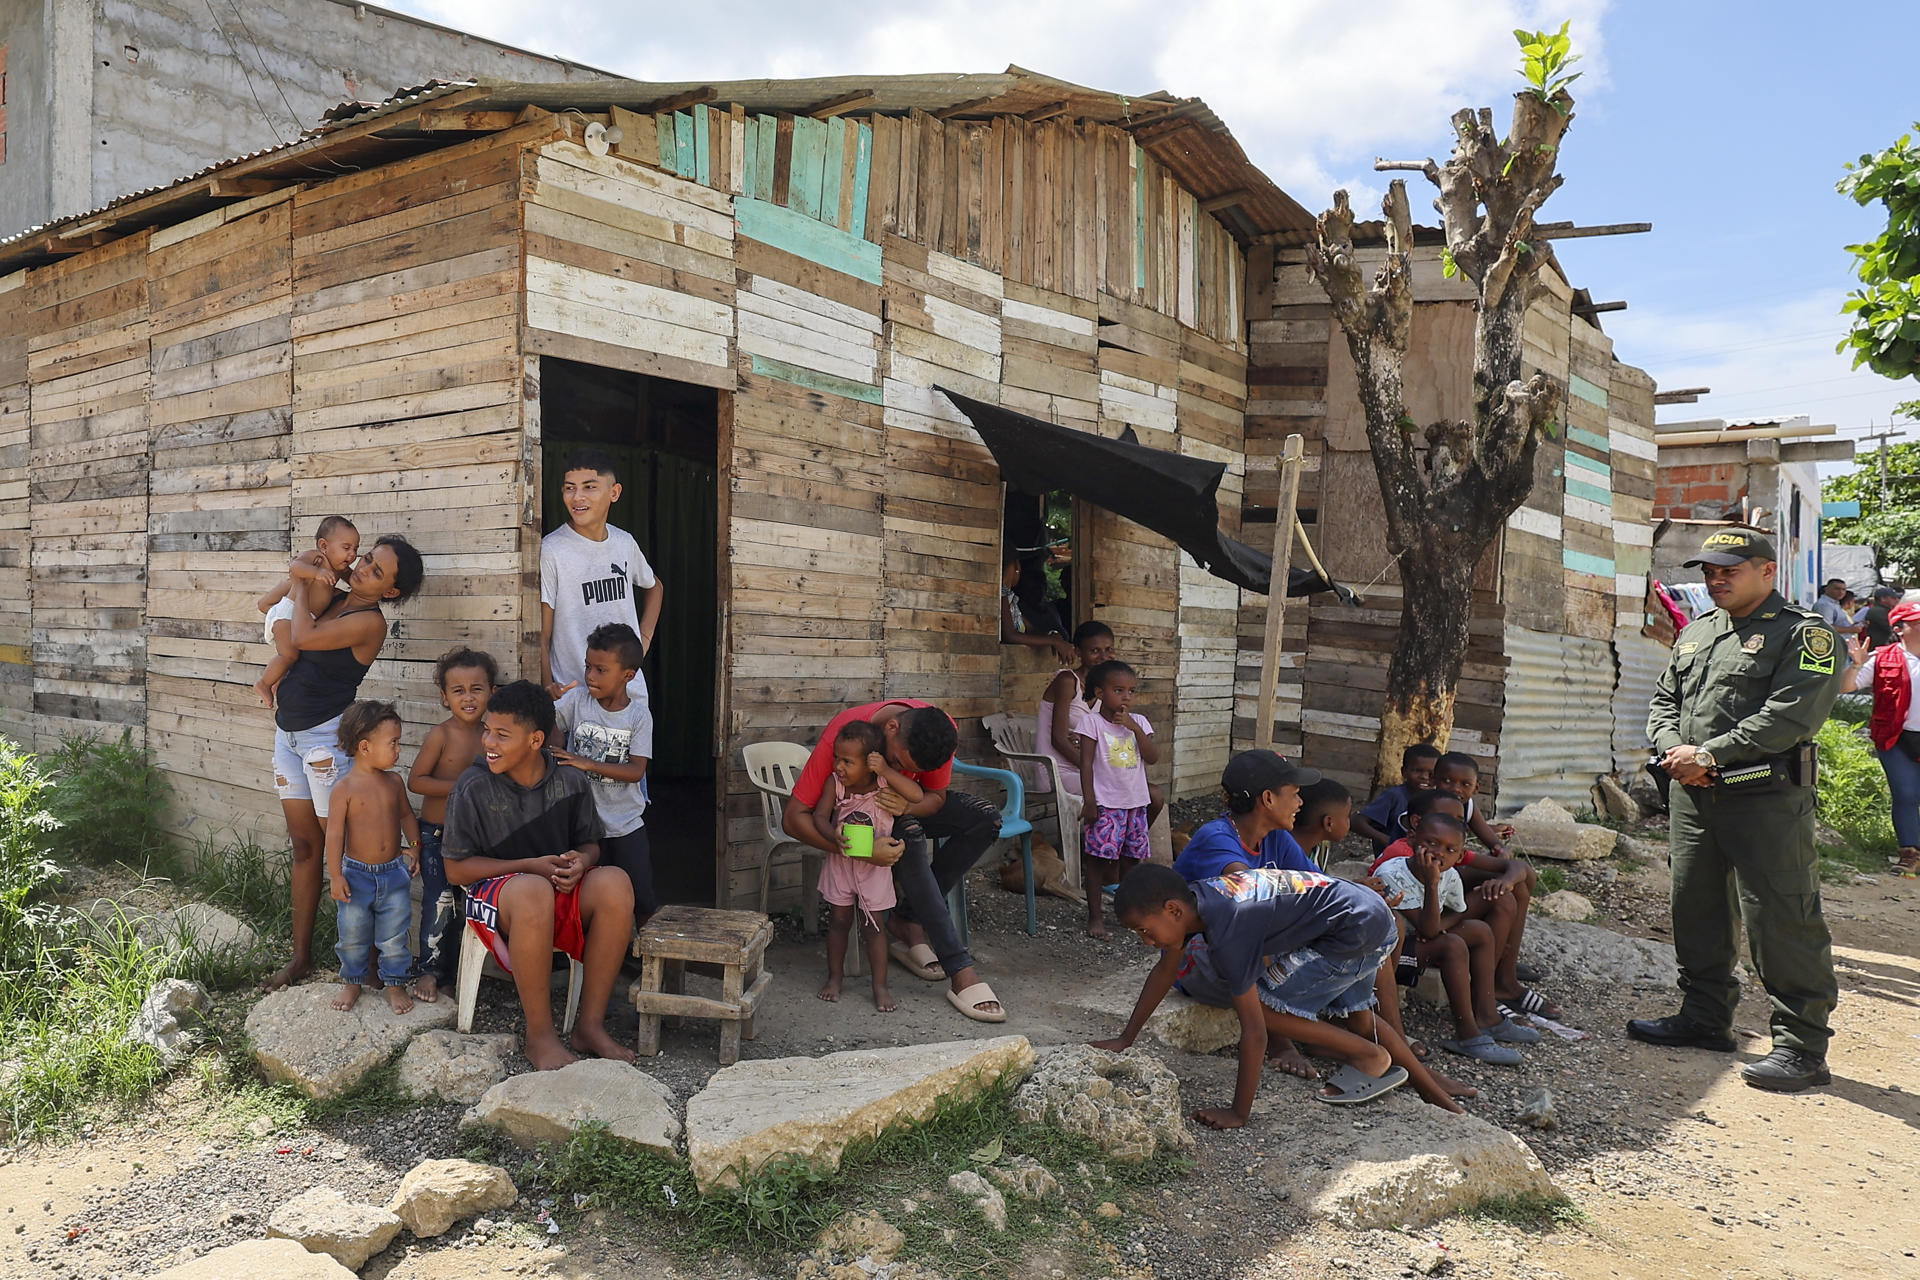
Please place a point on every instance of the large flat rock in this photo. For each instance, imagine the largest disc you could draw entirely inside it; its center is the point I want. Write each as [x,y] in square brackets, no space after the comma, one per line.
[1593,954]
[324,1221]
[753,1113]
[1547,829]
[1413,1163]
[260,1260]
[547,1106]
[1179,1023]
[299,1037]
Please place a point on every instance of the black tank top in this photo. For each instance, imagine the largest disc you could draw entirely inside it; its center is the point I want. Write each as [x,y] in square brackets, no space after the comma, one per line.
[320,684]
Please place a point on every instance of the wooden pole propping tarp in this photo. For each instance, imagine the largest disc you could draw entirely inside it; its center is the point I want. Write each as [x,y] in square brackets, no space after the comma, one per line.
[1283,526]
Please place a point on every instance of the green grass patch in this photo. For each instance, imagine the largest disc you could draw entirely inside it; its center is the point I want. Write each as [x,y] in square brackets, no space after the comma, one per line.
[1535,1213]
[1852,796]
[110,800]
[1551,878]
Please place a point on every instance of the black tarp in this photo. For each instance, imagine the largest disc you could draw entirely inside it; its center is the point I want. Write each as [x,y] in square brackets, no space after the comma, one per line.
[1169,493]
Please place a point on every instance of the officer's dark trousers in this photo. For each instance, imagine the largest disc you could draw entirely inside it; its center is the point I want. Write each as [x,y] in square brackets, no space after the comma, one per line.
[1760,847]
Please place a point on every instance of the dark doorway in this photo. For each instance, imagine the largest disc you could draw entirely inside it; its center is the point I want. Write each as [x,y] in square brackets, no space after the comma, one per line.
[665,438]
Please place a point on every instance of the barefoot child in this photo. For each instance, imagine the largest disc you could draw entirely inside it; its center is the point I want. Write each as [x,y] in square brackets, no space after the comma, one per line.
[1065,703]
[336,545]
[848,878]
[609,736]
[1116,747]
[366,872]
[466,678]
[1380,820]
[524,836]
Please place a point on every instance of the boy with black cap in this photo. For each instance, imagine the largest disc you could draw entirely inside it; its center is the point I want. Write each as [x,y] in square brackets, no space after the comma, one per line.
[1734,716]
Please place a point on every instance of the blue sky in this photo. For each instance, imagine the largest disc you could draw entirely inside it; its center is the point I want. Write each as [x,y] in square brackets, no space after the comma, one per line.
[1726,125]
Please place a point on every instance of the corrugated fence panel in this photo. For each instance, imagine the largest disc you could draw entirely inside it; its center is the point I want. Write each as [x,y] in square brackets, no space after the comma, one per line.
[1640,663]
[1557,736]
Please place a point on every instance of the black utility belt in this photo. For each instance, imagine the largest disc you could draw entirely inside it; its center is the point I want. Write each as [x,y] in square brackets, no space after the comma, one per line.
[1798,768]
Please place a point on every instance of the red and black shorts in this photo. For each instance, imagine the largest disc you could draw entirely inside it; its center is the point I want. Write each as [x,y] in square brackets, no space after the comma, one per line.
[483,915]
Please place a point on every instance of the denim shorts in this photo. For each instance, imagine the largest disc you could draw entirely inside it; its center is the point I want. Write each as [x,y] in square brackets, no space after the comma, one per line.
[307,762]
[374,922]
[1308,984]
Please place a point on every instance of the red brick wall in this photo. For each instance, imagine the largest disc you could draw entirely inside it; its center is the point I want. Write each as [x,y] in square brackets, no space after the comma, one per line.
[1699,492]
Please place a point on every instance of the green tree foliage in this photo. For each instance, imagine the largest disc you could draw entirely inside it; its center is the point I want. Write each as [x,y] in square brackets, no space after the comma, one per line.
[1894,526]
[1886,309]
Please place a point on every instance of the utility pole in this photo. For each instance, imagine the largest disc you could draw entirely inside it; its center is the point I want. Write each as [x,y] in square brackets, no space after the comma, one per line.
[1886,488]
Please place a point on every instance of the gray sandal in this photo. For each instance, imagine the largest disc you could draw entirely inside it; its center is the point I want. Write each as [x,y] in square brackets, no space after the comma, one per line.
[1481,1048]
[1356,1086]
[1507,1031]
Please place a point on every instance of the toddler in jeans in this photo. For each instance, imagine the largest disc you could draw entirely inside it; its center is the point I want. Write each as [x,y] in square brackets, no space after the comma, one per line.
[860,774]
[1116,747]
[466,678]
[367,872]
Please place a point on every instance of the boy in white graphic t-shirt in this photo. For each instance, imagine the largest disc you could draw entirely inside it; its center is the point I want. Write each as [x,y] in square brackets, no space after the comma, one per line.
[591,574]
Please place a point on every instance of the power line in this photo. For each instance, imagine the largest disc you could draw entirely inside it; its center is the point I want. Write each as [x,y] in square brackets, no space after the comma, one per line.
[292,115]
[247,75]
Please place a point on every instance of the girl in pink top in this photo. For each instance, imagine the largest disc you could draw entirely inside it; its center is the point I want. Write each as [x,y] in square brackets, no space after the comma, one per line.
[860,774]
[1116,747]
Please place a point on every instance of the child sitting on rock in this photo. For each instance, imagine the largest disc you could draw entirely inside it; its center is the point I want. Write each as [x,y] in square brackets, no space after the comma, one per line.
[1380,820]
[849,813]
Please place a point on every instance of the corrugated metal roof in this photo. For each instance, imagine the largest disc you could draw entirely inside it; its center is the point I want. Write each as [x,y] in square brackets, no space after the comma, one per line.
[1556,735]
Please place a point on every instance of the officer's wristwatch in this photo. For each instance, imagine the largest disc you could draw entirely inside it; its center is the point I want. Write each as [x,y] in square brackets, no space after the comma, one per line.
[1704,758]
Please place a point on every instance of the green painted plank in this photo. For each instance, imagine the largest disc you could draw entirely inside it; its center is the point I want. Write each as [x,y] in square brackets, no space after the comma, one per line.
[663,130]
[805,237]
[683,144]
[836,153]
[1591,492]
[809,160]
[1589,391]
[1139,215]
[815,381]
[862,177]
[1595,470]
[703,145]
[750,160]
[769,153]
[1581,562]
[1592,439]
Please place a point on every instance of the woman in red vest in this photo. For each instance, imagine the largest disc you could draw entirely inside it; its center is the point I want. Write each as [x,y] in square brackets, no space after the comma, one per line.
[1893,671]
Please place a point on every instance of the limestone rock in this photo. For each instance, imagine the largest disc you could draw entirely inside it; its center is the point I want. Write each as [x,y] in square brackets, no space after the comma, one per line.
[300,1039]
[1600,955]
[1545,829]
[1615,800]
[863,1235]
[435,1194]
[1127,1103]
[324,1221]
[455,1067]
[988,1200]
[207,929]
[1564,905]
[264,1259]
[1025,1177]
[1180,1022]
[754,1113]
[169,1017]
[547,1106]
[1537,1109]
[1412,1165]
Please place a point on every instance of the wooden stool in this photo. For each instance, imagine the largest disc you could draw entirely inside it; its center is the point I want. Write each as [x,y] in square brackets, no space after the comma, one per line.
[734,940]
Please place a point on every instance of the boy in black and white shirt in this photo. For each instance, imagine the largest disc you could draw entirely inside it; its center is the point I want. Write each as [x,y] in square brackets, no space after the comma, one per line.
[591,574]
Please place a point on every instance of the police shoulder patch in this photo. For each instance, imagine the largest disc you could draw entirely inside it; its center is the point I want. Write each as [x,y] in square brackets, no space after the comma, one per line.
[1817,648]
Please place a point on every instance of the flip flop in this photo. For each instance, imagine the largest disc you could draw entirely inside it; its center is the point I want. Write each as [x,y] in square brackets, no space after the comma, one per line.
[1528,1002]
[1507,1031]
[1356,1086]
[1529,972]
[917,960]
[970,1000]
[1481,1048]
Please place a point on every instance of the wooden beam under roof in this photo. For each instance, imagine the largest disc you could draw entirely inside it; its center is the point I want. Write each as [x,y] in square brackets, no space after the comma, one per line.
[1050,111]
[679,101]
[1681,395]
[831,107]
[1231,199]
[466,121]
[972,106]
[1595,308]
[1567,231]
[242,188]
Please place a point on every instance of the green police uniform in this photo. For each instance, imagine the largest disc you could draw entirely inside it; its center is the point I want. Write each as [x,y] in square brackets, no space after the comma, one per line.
[1746,690]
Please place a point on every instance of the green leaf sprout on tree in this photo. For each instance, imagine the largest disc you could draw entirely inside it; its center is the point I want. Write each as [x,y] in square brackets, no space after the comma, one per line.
[1885,333]
[1545,56]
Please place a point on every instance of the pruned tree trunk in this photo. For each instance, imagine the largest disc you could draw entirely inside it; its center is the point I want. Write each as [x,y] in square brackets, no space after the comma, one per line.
[1446,502]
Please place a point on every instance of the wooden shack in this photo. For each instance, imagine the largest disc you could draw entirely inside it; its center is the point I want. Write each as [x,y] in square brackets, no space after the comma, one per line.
[750,292]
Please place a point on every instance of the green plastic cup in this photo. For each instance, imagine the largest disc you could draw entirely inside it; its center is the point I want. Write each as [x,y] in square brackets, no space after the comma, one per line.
[859,839]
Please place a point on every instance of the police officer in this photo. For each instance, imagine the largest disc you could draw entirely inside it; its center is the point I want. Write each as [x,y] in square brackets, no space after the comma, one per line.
[1733,716]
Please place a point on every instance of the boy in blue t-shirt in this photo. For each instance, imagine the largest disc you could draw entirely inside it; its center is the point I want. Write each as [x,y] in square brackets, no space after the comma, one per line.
[1289,947]
[1380,820]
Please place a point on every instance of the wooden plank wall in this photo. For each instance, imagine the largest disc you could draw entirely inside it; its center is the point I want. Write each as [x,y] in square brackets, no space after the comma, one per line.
[221,416]
[88,372]
[16,623]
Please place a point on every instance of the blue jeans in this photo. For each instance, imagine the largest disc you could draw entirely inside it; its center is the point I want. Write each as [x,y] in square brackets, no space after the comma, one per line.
[441,914]
[375,917]
[1903,779]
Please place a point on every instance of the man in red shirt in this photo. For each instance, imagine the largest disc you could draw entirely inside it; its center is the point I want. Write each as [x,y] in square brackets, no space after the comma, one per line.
[919,743]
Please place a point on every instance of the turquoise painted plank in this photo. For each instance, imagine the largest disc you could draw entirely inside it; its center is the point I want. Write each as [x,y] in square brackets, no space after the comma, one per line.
[750,160]
[669,151]
[1595,470]
[1587,390]
[809,160]
[815,381]
[862,177]
[807,238]
[1139,216]
[836,156]
[1581,562]
[683,144]
[1591,492]
[769,152]
[1592,439]
[703,146]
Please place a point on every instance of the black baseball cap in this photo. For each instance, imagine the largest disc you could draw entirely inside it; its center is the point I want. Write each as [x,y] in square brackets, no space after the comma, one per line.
[1252,772]
[1728,547]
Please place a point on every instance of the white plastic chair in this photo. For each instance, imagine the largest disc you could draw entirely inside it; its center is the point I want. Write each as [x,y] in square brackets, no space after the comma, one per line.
[772,768]
[1013,738]
[473,958]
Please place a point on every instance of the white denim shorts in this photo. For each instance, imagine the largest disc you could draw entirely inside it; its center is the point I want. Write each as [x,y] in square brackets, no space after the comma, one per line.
[306,763]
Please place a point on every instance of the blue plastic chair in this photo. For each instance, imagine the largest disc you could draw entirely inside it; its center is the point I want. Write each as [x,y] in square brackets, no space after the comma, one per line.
[1013,822]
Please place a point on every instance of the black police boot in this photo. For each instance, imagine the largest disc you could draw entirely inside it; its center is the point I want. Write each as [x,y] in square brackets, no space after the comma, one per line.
[1787,1071]
[1679,1032]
